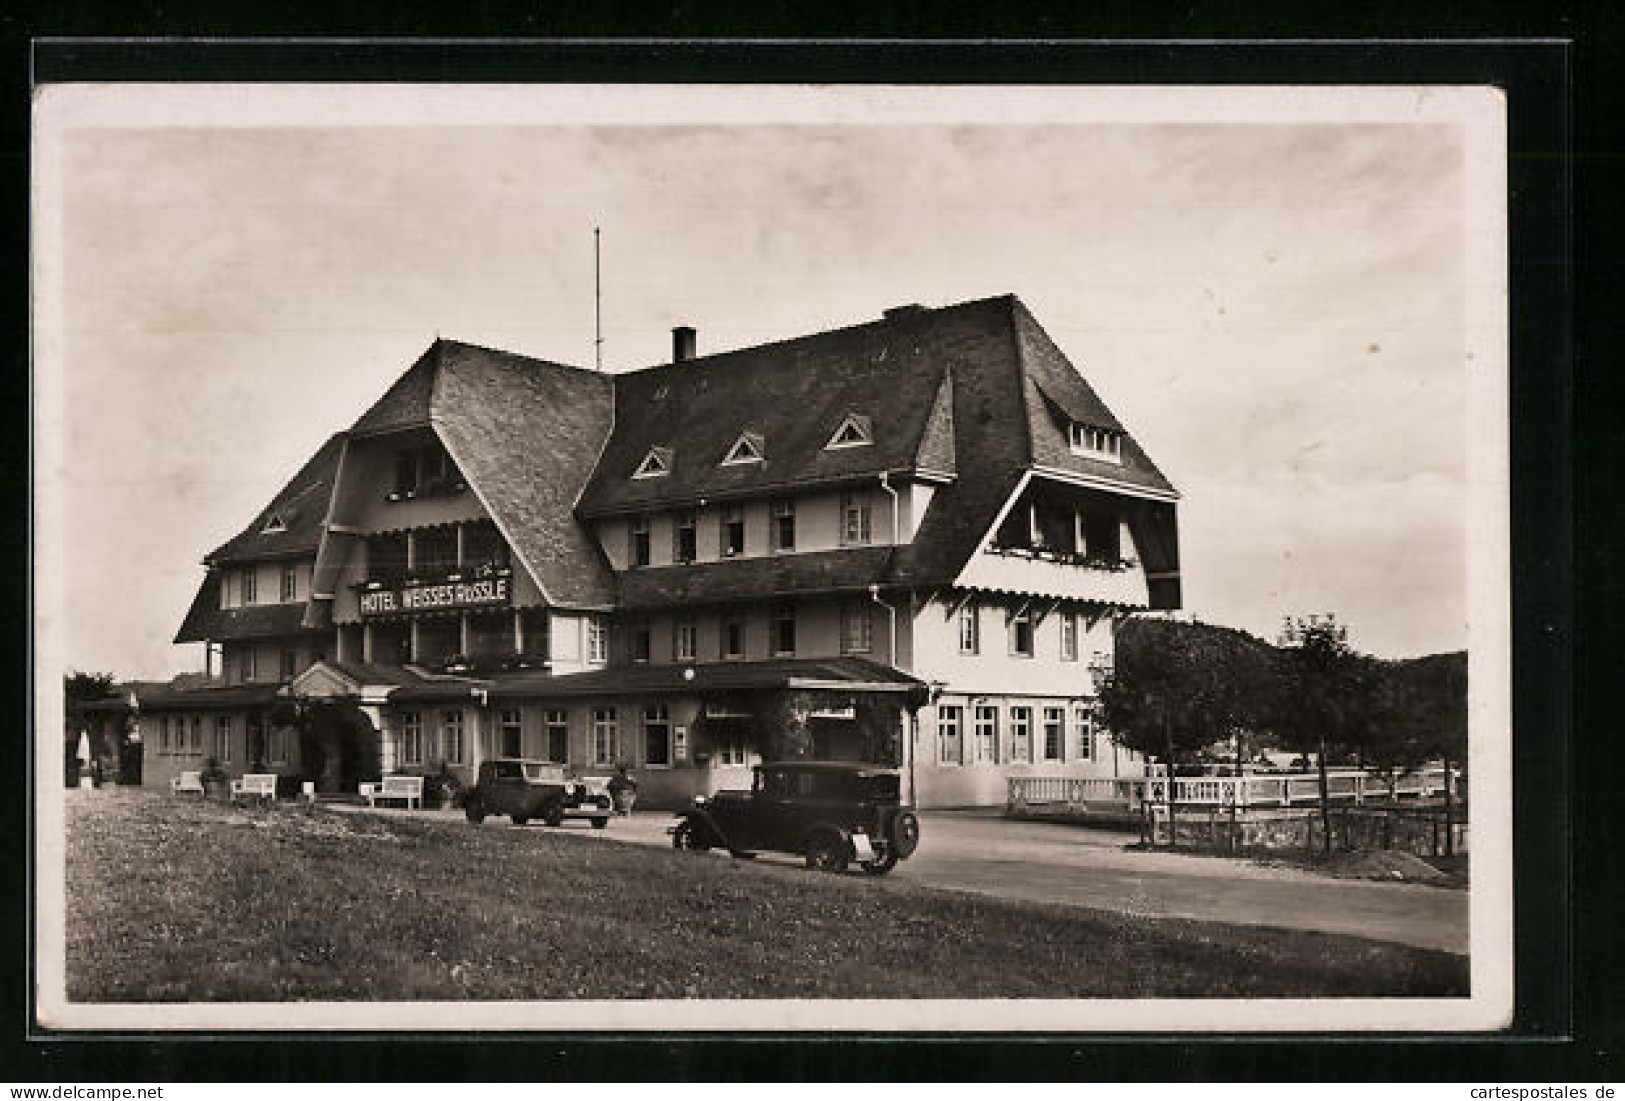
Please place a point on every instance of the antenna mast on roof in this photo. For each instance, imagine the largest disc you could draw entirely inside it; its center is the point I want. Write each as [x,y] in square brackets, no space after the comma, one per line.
[597,307]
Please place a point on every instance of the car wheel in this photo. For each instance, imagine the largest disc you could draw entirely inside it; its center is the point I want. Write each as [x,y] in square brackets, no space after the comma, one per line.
[553,814]
[475,812]
[905,834]
[519,819]
[599,823]
[827,852]
[879,867]
[691,837]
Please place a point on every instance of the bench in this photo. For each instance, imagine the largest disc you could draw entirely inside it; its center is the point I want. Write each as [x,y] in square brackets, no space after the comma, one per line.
[406,788]
[261,785]
[191,781]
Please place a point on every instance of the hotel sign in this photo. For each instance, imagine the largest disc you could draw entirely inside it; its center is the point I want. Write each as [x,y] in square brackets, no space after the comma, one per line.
[449,597]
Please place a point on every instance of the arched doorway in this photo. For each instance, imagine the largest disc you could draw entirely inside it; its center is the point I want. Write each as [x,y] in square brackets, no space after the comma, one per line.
[338,744]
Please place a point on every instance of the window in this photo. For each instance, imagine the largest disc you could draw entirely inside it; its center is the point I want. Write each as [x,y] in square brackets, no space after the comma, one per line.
[749,448]
[163,736]
[732,532]
[1102,537]
[245,662]
[656,464]
[784,631]
[1035,530]
[732,751]
[249,586]
[638,551]
[290,664]
[684,541]
[451,736]
[950,720]
[558,735]
[412,738]
[733,638]
[855,526]
[656,736]
[855,431]
[1083,721]
[1054,733]
[1069,637]
[1021,734]
[274,525]
[641,644]
[606,737]
[276,746]
[987,735]
[511,728]
[197,734]
[784,525]
[1097,443]
[856,629]
[970,628]
[222,738]
[290,583]
[406,472]
[597,641]
[685,642]
[256,743]
[1021,633]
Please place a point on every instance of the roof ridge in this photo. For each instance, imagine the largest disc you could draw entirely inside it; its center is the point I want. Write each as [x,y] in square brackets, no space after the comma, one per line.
[707,360]
[518,355]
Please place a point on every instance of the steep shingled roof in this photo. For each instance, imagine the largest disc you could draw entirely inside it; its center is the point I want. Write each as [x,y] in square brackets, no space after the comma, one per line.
[206,620]
[752,578]
[526,435]
[795,393]
[302,507]
[1056,395]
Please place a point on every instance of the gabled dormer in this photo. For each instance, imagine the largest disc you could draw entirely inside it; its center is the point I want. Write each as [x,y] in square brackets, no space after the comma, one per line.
[856,430]
[750,447]
[656,464]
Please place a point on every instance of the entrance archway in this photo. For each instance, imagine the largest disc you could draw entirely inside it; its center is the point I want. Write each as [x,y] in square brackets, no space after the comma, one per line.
[338,744]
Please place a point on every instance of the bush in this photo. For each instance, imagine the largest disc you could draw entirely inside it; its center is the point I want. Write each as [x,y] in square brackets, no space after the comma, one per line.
[289,786]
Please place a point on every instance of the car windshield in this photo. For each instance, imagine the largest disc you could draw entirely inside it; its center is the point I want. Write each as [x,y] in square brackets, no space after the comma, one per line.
[536,772]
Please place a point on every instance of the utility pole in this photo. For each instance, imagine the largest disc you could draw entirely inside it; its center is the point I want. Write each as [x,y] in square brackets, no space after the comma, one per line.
[597,305]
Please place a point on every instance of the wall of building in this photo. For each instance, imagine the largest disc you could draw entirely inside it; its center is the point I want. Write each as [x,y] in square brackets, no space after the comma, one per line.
[965,780]
[165,758]
[268,657]
[267,582]
[818,526]
[818,631]
[934,632]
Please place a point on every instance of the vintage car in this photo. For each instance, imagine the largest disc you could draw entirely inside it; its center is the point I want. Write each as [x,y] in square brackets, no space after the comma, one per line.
[524,790]
[828,812]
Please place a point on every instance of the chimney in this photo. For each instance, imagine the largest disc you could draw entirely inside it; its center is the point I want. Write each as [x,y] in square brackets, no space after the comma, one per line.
[682,343]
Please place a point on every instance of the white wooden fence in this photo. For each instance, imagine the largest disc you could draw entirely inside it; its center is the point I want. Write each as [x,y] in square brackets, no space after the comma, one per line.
[1257,790]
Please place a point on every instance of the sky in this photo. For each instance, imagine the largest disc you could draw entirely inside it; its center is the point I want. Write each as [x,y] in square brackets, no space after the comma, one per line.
[1277,312]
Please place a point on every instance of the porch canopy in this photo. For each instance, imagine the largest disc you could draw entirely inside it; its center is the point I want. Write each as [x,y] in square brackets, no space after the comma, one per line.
[206,699]
[843,674]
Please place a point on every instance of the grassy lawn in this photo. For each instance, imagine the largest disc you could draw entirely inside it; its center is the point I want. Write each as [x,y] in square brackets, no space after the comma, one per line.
[180,900]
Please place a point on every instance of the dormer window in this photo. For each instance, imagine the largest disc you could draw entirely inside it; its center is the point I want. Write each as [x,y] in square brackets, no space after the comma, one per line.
[656,464]
[751,447]
[1097,443]
[274,525]
[855,431]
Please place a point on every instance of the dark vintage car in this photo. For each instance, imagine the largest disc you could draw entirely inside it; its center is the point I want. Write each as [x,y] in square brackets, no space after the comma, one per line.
[524,790]
[828,812]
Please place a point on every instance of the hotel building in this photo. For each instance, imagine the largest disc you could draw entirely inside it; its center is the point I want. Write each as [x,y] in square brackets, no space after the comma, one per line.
[905,541]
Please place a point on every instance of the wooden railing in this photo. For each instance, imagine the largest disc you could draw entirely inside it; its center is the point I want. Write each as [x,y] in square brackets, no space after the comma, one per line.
[1259,790]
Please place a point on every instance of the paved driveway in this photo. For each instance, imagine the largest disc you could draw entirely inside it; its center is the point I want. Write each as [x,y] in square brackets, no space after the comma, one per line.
[1070,865]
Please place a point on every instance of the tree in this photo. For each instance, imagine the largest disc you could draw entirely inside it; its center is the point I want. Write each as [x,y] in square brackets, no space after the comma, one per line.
[1319,706]
[1177,688]
[79,687]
